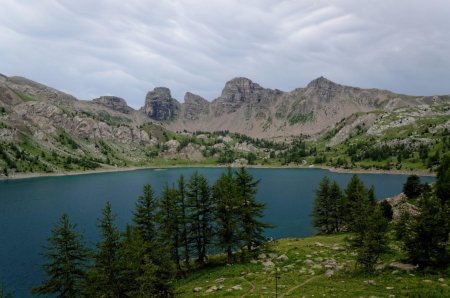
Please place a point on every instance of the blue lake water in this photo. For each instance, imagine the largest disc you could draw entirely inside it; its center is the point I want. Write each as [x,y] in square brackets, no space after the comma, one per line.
[30,207]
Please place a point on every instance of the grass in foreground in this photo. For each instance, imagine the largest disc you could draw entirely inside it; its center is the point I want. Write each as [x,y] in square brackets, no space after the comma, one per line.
[251,278]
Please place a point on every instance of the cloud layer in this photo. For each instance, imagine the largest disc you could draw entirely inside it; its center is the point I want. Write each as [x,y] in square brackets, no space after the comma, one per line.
[125,48]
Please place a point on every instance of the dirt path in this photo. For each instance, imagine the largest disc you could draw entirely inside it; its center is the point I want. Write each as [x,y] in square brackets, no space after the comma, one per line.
[251,284]
[298,286]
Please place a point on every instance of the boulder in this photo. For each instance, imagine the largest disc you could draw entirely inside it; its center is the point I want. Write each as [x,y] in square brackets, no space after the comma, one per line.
[220,280]
[329,273]
[308,262]
[402,266]
[212,289]
[268,264]
[262,256]
[236,288]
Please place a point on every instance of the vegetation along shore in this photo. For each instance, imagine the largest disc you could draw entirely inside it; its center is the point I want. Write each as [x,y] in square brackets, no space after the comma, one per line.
[198,239]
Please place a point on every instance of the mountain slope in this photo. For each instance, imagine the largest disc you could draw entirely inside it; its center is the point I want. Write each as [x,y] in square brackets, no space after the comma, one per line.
[247,108]
[43,129]
[46,130]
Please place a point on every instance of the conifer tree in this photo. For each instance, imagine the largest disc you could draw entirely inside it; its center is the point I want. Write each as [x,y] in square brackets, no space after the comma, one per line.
[144,217]
[357,204]
[321,219]
[66,265]
[371,196]
[412,187]
[200,214]
[227,208]
[371,242]
[250,211]
[335,207]
[157,251]
[106,276]
[139,272]
[184,238]
[169,217]
[386,210]
[427,238]
[328,207]
[365,219]
[443,180]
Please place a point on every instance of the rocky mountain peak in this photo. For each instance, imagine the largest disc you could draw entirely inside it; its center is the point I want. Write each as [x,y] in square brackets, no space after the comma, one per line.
[190,98]
[160,105]
[322,89]
[321,83]
[239,89]
[113,102]
[195,106]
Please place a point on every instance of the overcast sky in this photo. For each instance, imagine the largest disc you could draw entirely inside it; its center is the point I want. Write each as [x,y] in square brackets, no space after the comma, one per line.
[126,48]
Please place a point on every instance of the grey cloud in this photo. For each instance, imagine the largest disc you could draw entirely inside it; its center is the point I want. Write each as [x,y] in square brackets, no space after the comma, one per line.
[92,48]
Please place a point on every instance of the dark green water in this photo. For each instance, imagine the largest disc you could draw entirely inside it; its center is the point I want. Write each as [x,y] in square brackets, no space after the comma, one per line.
[29,207]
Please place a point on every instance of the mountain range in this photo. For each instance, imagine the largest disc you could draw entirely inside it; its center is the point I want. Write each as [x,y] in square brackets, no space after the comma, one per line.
[246,107]
[38,119]
[243,107]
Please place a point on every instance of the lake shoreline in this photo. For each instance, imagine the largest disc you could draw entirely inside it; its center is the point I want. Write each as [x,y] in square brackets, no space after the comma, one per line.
[17,176]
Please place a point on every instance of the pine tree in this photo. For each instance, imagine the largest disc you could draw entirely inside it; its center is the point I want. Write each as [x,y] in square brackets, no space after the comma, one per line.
[184,220]
[335,207]
[144,217]
[371,242]
[227,207]
[328,207]
[251,211]
[200,214]
[357,204]
[106,276]
[412,187]
[443,180]
[427,238]
[169,217]
[158,253]
[321,216]
[138,270]
[371,196]
[386,210]
[365,219]
[67,258]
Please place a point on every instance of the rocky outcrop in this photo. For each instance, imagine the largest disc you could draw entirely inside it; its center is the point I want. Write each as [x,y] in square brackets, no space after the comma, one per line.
[400,206]
[160,106]
[322,89]
[113,102]
[246,107]
[195,106]
[242,91]
[43,112]
[34,90]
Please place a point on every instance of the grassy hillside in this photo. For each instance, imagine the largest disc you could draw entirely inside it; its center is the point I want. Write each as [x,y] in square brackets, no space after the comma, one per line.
[302,274]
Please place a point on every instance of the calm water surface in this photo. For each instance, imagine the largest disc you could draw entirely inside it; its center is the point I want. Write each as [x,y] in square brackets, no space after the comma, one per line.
[30,207]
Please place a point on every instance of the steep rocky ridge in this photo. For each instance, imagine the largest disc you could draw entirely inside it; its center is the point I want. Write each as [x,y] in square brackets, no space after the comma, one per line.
[43,129]
[195,107]
[160,106]
[246,107]
[36,119]
[114,102]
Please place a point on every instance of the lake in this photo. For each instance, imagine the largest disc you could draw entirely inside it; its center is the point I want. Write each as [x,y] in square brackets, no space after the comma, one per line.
[30,207]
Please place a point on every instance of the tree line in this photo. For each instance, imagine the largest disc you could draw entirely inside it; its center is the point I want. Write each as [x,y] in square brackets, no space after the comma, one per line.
[423,237]
[168,235]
